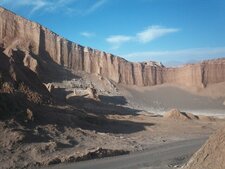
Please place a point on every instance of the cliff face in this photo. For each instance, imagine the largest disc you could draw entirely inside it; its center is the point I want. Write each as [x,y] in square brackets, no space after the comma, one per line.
[197,75]
[188,75]
[17,32]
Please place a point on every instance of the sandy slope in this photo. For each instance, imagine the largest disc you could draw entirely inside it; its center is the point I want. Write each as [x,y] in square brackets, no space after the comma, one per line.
[211,155]
[165,97]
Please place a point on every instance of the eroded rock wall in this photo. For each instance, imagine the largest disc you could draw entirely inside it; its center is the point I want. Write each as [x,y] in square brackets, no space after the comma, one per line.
[189,75]
[19,33]
[213,71]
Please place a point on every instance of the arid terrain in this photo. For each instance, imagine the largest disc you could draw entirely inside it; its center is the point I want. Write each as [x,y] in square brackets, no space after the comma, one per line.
[61,102]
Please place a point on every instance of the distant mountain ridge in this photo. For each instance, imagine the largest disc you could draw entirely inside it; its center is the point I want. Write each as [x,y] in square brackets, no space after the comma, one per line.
[19,33]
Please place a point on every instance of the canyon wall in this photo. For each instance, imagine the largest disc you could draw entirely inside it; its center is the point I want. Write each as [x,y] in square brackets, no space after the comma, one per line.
[19,33]
[197,75]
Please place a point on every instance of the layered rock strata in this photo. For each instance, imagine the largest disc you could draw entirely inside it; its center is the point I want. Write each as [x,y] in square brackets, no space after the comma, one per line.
[19,33]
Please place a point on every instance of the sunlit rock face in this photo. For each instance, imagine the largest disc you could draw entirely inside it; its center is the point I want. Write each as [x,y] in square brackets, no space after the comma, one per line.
[36,40]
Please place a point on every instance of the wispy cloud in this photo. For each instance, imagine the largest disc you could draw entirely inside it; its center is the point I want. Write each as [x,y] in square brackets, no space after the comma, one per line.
[38,5]
[117,40]
[154,32]
[35,5]
[95,6]
[52,6]
[67,6]
[148,35]
[87,34]
[178,56]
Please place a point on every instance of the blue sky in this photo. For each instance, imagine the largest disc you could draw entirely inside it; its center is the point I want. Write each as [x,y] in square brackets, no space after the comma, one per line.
[170,31]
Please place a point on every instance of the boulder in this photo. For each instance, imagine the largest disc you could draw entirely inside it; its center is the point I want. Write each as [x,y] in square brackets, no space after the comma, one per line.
[92,93]
[30,62]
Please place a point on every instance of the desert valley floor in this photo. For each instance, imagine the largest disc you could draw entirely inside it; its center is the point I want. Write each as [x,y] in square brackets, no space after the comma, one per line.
[105,120]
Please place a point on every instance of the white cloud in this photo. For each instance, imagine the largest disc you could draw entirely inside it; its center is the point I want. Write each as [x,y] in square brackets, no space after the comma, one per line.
[148,35]
[117,40]
[87,34]
[154,32]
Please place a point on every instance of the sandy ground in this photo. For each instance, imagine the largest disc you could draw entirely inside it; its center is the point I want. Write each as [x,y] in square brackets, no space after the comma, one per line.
[81,126]
[52,144]
[159,99]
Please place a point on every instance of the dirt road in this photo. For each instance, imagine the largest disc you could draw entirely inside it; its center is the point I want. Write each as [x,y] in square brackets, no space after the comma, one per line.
[168,155]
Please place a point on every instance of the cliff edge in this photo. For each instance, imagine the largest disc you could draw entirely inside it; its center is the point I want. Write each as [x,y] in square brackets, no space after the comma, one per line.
[19,33]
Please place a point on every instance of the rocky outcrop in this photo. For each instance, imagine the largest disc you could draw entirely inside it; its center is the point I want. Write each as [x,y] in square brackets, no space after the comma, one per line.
[19,33]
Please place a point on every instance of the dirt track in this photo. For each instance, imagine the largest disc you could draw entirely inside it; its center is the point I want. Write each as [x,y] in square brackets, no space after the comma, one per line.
[165,156]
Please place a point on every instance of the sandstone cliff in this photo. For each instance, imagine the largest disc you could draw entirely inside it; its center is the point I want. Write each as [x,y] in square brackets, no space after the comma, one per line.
[32,38]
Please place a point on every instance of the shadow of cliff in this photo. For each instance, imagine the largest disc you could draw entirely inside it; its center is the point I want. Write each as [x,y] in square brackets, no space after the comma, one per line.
[59,95]
[87,120]
[50,71]
[113,100]
[20,87]
[106,105]
[11,105]
[89,114]
[111,106]
[75,112]
[13,70]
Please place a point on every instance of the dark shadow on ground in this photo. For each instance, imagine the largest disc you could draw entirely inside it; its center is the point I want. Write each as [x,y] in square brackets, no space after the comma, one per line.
[34,137]
[41,135]
[89,114]
[81,118]
[106,105]
[186,115]
[102,108]
[113,100]
[75,112]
